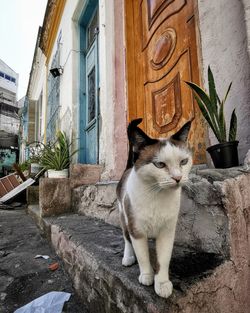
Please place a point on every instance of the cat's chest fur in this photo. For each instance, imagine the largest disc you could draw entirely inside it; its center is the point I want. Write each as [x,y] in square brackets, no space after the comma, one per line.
[151,209]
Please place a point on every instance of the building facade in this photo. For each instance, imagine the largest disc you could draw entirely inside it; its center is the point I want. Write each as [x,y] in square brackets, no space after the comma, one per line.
[99,64]
[9,119]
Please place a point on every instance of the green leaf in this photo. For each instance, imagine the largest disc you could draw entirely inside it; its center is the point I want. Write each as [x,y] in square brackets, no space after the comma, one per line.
[233,127]
[206,100]
[222,123]
[212,91]
[201,93]
[228,89]
[206,116]
[208,107]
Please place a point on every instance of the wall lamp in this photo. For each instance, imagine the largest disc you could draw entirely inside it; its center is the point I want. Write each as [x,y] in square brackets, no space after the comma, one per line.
[56,71]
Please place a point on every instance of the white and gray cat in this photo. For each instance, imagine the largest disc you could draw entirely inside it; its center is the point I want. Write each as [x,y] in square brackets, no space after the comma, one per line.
[149,195]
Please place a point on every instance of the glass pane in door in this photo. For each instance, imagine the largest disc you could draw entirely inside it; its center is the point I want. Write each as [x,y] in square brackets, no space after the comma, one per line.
[91,95]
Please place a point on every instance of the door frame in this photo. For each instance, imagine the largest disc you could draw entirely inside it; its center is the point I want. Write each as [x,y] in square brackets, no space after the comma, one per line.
[87,14]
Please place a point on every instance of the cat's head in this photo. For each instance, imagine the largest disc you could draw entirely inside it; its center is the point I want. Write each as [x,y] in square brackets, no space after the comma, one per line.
[162,162]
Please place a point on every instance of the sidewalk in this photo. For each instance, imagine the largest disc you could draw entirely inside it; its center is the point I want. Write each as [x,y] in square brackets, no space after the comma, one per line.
[23,278]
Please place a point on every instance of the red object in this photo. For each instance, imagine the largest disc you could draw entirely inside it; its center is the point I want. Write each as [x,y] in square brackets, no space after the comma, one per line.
[54,266]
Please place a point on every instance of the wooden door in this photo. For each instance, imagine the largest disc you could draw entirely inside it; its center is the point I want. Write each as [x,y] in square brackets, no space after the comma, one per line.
[161,52]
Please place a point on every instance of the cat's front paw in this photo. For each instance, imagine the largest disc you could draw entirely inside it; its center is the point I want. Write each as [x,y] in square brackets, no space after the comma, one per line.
[163,289]
[146,279]
[128,261]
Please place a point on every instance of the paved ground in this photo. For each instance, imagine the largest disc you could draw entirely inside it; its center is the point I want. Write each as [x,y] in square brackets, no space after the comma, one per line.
[23,278]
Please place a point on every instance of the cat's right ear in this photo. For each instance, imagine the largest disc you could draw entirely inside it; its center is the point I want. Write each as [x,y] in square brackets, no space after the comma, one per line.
[137,137]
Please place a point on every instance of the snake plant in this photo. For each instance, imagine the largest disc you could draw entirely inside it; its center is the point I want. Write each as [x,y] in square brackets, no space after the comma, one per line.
[212,108]
[57,156]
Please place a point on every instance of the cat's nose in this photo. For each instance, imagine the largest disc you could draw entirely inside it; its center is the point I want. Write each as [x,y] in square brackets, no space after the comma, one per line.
[177,178]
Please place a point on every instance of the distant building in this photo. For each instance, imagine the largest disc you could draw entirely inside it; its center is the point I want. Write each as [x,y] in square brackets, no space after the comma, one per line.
[9,120]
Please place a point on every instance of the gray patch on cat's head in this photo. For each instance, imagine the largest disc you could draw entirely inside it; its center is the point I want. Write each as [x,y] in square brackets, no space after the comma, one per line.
[148,154]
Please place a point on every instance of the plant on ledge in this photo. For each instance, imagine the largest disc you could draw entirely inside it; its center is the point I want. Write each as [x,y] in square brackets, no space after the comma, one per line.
[57,156]
[224,154]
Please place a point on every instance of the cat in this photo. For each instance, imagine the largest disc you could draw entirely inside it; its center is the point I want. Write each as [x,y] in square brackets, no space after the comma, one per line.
[149,194]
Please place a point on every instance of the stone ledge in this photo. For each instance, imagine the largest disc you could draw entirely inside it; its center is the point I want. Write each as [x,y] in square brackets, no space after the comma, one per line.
[222,288]
[55,196]
[92,253]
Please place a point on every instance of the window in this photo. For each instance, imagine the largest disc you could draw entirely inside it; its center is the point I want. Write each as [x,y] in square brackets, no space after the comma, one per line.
[8,77]
[92,29]
[91,95]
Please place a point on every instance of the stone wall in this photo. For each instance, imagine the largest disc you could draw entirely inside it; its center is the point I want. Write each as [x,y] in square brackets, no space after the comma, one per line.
[203,221]
[214,218]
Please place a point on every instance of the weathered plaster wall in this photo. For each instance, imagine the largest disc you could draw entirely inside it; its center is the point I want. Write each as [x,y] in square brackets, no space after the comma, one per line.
[37,86]
[9,124]
[246,5]
[107,93]
[224,46]
[65,31]
[120,135]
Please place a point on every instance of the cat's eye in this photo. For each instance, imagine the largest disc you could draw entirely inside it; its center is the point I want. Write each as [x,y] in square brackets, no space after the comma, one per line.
[184,161]
[159,164]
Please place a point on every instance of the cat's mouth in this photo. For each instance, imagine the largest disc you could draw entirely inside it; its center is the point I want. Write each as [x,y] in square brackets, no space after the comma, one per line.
[171,184]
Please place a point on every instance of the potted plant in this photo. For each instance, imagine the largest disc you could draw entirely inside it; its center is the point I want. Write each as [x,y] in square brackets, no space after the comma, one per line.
[56,157]
[224,154]
[36,149]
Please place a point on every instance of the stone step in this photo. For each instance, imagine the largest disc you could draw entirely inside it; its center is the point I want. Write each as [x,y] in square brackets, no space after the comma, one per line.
[84,174]
[92,252]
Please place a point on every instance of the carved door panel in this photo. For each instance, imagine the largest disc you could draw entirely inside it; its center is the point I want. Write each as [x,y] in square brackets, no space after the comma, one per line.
[161,55]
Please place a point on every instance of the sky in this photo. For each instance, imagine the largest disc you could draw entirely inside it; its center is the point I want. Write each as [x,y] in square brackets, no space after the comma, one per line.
[19,23]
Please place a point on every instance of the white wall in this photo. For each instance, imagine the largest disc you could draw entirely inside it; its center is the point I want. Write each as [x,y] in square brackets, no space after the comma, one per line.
[67,54]
[37,86]
[9,124]
[224,47]
[246,5]
[107,81]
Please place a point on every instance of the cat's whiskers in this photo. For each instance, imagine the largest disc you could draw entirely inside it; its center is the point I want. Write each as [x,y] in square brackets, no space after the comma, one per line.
[151,191]
[167,183]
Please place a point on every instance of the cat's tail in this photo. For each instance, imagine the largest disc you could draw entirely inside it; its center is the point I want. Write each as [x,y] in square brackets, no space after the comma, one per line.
[132,155]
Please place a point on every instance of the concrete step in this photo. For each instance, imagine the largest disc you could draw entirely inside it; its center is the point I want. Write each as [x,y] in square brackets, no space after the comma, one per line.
[92,252]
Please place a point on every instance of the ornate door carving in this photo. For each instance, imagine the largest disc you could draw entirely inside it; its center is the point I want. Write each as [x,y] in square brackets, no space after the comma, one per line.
[161,55]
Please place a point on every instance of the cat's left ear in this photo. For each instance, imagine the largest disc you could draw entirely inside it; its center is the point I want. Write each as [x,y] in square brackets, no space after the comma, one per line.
[182,134]
[137,137]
